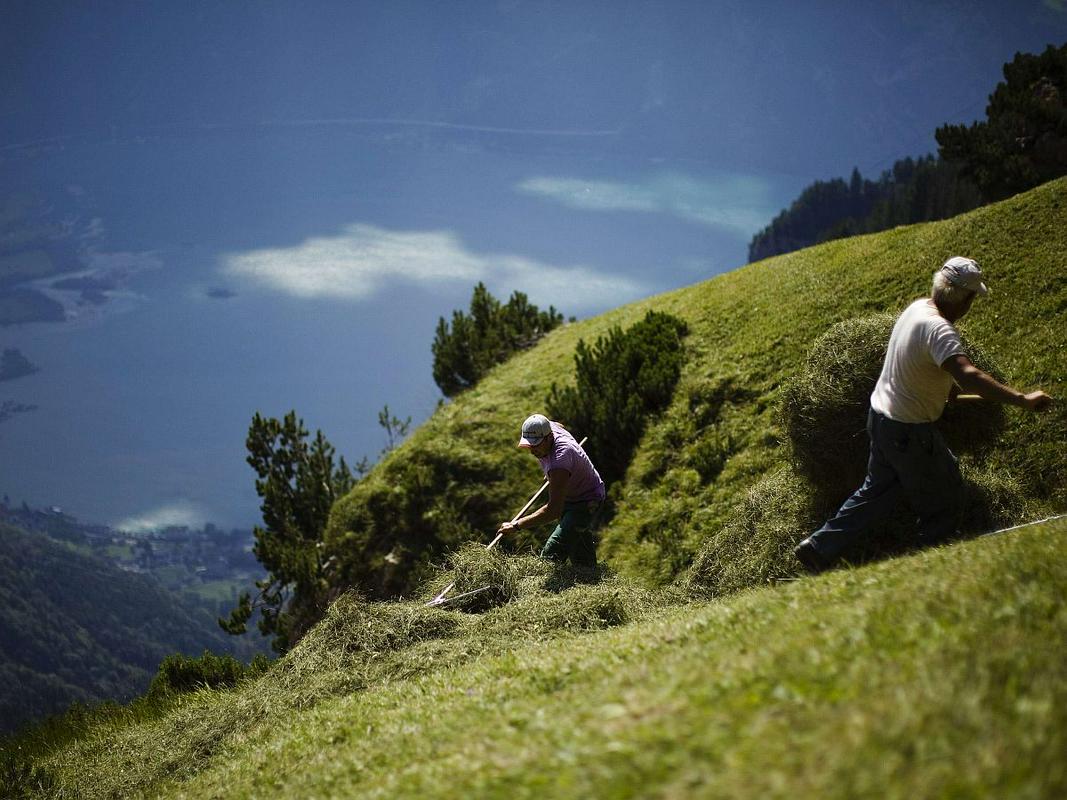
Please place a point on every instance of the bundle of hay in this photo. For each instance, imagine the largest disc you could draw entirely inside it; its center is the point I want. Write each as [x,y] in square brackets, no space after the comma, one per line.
[824,408]
[528,581]
[473,567]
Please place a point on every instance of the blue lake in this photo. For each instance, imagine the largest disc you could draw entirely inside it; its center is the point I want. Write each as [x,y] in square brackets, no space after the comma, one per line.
[271,268]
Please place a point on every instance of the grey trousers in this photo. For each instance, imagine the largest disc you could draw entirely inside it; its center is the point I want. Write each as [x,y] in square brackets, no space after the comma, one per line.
[909,462]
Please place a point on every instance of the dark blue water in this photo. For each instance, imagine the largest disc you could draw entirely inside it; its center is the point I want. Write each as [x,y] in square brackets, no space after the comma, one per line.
[143,401]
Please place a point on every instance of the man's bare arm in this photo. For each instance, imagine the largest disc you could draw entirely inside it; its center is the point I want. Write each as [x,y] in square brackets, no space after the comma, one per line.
[553,509]
[971,379]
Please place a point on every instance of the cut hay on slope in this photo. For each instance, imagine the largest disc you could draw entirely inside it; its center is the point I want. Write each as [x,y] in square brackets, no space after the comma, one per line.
[824,408]
[992,499]
[756,547]
[473,567]
[356,632]
[578,608]
[511,578]
[358,645]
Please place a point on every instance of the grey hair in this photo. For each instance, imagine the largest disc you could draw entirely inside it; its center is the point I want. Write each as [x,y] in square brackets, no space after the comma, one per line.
[945,292]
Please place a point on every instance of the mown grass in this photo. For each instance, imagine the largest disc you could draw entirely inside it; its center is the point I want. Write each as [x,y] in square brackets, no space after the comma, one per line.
[935,675]
[358,646]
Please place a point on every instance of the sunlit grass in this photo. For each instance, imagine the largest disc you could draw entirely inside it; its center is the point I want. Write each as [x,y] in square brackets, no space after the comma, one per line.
[939,674]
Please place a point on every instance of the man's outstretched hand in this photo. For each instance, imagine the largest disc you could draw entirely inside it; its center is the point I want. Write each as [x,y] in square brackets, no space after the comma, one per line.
[507,527]
[1037,401]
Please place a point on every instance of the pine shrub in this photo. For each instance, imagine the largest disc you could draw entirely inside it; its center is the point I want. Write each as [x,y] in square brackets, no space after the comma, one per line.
[620,381]
[468,348]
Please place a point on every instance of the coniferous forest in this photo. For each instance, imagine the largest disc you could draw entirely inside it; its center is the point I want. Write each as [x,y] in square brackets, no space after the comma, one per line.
[1021,144]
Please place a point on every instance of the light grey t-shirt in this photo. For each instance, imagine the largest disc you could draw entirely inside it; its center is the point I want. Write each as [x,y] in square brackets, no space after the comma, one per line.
[912,386]
[585,483]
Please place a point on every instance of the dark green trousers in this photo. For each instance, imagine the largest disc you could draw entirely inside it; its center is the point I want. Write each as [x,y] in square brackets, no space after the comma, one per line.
[573,536]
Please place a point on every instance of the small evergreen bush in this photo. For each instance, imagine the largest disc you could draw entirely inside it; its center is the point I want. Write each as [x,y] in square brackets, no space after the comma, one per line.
[474,343]
[619,382]
[299,483]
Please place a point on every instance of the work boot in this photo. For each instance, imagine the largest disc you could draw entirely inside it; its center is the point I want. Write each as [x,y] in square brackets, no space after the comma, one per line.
[808,555]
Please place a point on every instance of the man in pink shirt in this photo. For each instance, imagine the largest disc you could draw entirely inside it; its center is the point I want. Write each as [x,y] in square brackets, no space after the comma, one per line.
[575,492]
[925,365]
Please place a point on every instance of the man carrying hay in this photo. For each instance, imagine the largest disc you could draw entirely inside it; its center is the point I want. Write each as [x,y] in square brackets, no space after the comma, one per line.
[925,365]
[575,492]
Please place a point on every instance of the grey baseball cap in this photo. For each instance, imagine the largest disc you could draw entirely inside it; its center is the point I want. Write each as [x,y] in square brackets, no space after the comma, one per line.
[965,273]
[534,430]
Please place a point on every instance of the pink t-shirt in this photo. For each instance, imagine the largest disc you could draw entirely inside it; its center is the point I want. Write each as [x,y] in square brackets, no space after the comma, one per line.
[585,483]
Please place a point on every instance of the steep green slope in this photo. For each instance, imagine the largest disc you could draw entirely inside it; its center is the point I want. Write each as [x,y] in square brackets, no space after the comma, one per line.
[75,628]
[460,473]
[939,674]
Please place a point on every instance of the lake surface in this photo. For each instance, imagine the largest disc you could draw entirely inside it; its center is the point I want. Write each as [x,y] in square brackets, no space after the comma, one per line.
[268,268]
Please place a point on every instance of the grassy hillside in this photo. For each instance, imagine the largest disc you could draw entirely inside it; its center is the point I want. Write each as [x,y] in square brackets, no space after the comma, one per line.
[750,331]
[75,628]
[939,673]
